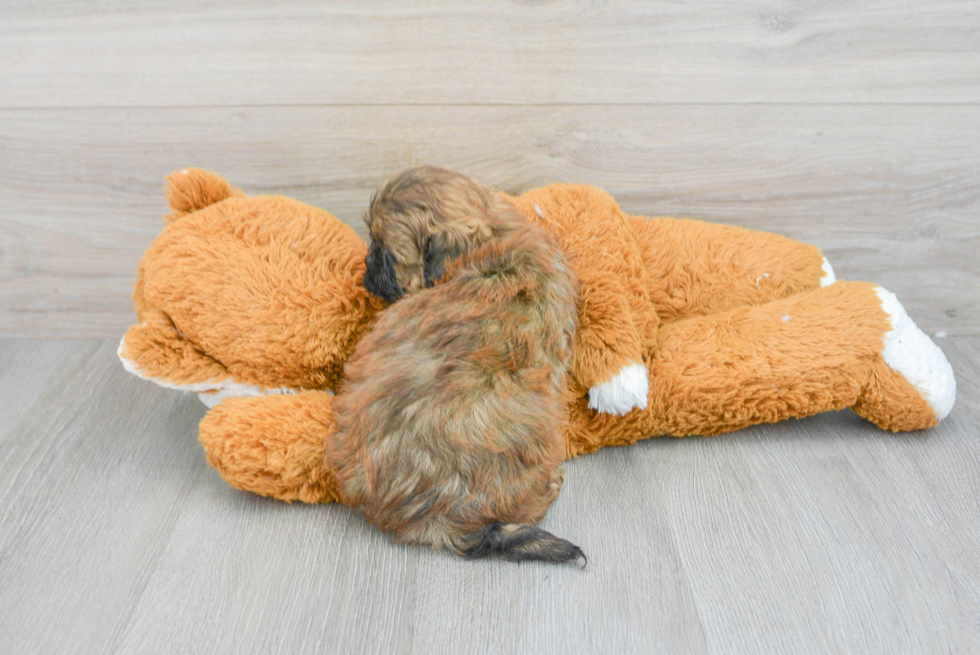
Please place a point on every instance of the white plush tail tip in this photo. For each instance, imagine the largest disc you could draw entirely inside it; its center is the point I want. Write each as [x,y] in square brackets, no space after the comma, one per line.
[626,391]
[920,361]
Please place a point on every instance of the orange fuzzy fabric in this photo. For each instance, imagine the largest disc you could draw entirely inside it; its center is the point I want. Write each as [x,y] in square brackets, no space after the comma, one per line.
[787,359]
[731,324]
[616,318]
[637,272]
[273,449]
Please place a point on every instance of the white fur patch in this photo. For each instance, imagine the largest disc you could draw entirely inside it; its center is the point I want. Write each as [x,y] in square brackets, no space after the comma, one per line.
[920,361]
[828,277]
[626,391]
[210,392]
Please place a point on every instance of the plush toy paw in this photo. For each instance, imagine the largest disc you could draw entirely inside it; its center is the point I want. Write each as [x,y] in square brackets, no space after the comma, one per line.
[828,276]
[626,391]
[232,389]
[920,361]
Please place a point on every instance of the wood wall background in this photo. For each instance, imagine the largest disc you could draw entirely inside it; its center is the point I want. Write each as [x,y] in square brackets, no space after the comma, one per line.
[853,125]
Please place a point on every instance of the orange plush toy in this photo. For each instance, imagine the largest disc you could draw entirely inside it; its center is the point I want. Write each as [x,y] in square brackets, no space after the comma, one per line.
[686,328]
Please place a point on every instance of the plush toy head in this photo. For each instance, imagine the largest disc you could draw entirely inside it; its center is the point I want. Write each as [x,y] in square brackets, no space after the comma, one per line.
[288,271]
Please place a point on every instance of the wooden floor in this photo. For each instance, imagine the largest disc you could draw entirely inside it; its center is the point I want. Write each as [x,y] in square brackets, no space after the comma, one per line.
[851,125]
[819,536]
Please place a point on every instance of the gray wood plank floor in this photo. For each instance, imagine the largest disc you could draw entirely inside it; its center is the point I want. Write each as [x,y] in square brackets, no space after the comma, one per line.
[814,536]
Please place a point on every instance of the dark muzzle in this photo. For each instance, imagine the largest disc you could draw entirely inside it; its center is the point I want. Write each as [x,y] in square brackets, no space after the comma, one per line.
[380,278]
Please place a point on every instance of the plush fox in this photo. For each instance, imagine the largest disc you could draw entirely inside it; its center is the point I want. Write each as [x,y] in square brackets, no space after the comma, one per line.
[685,328]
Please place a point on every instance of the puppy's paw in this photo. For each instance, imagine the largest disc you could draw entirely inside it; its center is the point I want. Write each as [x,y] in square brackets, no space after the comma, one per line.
[557,479]
[625,392]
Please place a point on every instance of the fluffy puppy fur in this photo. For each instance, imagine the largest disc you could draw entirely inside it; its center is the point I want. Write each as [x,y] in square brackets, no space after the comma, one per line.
[450,421]
[423,217]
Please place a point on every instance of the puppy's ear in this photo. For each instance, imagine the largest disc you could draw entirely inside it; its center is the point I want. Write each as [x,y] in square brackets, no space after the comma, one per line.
[476,228]
[434,259]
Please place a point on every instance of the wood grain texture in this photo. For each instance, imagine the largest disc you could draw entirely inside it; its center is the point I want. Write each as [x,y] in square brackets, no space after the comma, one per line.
[814,536]
[850,125]
[891,194]
[82,519]
[189,53]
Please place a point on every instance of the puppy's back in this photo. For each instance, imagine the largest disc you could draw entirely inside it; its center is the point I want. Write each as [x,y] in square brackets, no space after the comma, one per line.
[450,424]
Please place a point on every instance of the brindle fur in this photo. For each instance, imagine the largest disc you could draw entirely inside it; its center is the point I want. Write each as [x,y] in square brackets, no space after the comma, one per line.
[450,422]
[423,217]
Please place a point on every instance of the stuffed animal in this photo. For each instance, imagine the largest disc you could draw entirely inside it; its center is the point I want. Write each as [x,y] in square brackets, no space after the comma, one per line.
[686,328]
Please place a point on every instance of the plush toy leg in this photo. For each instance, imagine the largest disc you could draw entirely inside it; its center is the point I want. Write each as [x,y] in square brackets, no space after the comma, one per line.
[827,349]
[273,445]
[699,269]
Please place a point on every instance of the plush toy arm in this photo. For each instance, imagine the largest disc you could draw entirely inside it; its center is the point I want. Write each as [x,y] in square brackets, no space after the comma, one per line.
[609,350]
[273,445]
[617,321]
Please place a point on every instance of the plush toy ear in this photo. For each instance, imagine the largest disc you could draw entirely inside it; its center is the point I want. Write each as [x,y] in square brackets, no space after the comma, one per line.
[192,189]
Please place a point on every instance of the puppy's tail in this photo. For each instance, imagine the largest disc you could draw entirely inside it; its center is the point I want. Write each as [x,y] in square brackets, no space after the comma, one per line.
[519,543]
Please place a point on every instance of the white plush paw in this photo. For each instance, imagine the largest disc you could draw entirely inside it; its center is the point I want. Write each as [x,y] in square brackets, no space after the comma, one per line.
[828,276]
[920,361]
[626,391]
[231,389]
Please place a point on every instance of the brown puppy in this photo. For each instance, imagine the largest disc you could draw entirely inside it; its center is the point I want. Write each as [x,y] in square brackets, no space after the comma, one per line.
[450,422]
[424,216]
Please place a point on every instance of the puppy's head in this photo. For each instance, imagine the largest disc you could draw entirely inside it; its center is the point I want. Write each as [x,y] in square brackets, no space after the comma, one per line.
[423,217]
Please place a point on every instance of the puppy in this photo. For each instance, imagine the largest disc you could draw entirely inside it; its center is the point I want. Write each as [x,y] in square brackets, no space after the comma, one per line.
[450,420]
[424,216]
